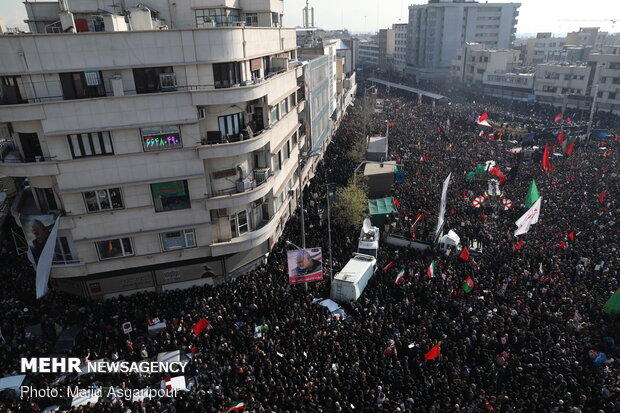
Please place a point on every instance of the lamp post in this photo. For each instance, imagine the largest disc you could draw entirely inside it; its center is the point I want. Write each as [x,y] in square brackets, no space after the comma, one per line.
[329,231]
[301,197]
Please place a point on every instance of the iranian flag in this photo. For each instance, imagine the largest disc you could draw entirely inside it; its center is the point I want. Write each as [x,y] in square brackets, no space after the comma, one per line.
[400,276]
[236,407]
[468,285]
[430,272]
[532,194]
[569,145]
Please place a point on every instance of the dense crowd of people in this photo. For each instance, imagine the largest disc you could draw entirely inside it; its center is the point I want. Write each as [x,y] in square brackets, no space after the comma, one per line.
[527,338]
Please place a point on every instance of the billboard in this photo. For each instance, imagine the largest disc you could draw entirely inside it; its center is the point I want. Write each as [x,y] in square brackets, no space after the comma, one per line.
[305,265]
[40,232]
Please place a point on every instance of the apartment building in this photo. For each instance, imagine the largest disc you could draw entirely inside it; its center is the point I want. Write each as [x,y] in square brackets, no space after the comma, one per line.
[606,68]
[387,43]
[165,137]
[563,84]
[544,49]
[473,61]
[400,47]
[366,53]
[438,29]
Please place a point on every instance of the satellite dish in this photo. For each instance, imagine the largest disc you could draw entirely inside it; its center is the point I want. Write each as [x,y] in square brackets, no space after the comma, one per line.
[366,226]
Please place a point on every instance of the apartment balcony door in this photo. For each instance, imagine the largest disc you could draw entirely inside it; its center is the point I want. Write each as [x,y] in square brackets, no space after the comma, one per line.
[257,119]
[47,200]
[31,147]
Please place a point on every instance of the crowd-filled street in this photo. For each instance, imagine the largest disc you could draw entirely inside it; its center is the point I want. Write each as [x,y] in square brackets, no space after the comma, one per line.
[528,337]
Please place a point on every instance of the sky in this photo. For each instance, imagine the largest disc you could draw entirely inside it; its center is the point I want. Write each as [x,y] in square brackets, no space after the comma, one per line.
[557,16]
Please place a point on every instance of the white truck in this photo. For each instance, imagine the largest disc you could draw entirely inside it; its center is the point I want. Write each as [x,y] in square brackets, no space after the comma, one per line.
[349,283]
[369,239]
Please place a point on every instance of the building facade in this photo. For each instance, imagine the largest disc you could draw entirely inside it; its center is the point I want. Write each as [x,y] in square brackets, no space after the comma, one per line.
[366,54]
[400,47]
[170,154]
[544,49]
[438,29]
[473,61]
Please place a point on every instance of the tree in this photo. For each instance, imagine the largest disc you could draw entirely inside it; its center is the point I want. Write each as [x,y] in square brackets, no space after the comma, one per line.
[351,206]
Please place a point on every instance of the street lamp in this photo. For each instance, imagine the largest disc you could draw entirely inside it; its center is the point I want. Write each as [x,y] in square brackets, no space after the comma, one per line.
[312,153]
[329,231]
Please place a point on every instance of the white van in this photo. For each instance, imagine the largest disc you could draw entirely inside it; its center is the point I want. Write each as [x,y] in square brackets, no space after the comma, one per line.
[350,282]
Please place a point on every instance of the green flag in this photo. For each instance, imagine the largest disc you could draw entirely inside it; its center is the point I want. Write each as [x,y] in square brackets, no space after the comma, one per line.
[612,306]
[532,194]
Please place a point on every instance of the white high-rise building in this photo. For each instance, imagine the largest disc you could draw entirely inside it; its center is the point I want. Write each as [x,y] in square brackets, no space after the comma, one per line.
[166,137]
[438,29]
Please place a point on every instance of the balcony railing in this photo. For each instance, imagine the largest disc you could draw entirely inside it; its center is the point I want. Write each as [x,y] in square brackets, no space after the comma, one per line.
[257,178]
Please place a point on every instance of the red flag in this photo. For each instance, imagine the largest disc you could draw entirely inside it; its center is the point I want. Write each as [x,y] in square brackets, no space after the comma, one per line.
[519,245]
[390,124]
[546,164]
[571,236]
[200,326]
[568,119]
[562,245]
[601,197]
[390,265]
[558,118]
[465,194]
[464,254]
[561,138]
[434,352]
[482,117]
[396,203]
[617,138]
[570,148]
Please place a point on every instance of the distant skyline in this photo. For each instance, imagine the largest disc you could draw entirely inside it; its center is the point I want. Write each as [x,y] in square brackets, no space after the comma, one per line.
[364,16]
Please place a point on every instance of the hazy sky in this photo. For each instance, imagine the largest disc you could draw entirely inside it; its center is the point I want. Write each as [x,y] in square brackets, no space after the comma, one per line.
[370,15]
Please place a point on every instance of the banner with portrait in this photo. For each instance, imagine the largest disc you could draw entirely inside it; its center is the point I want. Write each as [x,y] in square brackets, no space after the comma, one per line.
[305,265]
[40,232]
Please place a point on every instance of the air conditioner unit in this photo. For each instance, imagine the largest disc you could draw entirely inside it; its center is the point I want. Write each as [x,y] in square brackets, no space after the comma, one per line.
[168,82]
[202,113]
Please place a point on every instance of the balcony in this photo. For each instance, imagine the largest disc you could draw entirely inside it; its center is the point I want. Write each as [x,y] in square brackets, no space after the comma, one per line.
[248,240]
[273,135]
[12,163]
[245,192]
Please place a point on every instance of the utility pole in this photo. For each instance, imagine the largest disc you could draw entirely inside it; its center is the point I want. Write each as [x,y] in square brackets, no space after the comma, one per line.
[589,130]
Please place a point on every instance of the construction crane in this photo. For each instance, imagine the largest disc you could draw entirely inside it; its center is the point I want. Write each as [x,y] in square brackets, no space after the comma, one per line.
[613,22]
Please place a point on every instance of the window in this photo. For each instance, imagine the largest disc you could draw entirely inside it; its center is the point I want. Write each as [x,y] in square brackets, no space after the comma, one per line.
[231,125]
[154,79]
[216,17]
[103,200]
[275,114]
[279,201]
[12,90]
[287,150]
[226,74]
[284,107]
[178,239]
[90,144]
[251,19]
[62,251]
[611,95]
[114,248]
[161,138]
[277,161]
[239,224]
[81,85]
[170,196]
[275,18]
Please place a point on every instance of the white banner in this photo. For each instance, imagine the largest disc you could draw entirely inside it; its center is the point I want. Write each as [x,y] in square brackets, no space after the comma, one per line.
[442,204]
[529,218]
[40,232]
